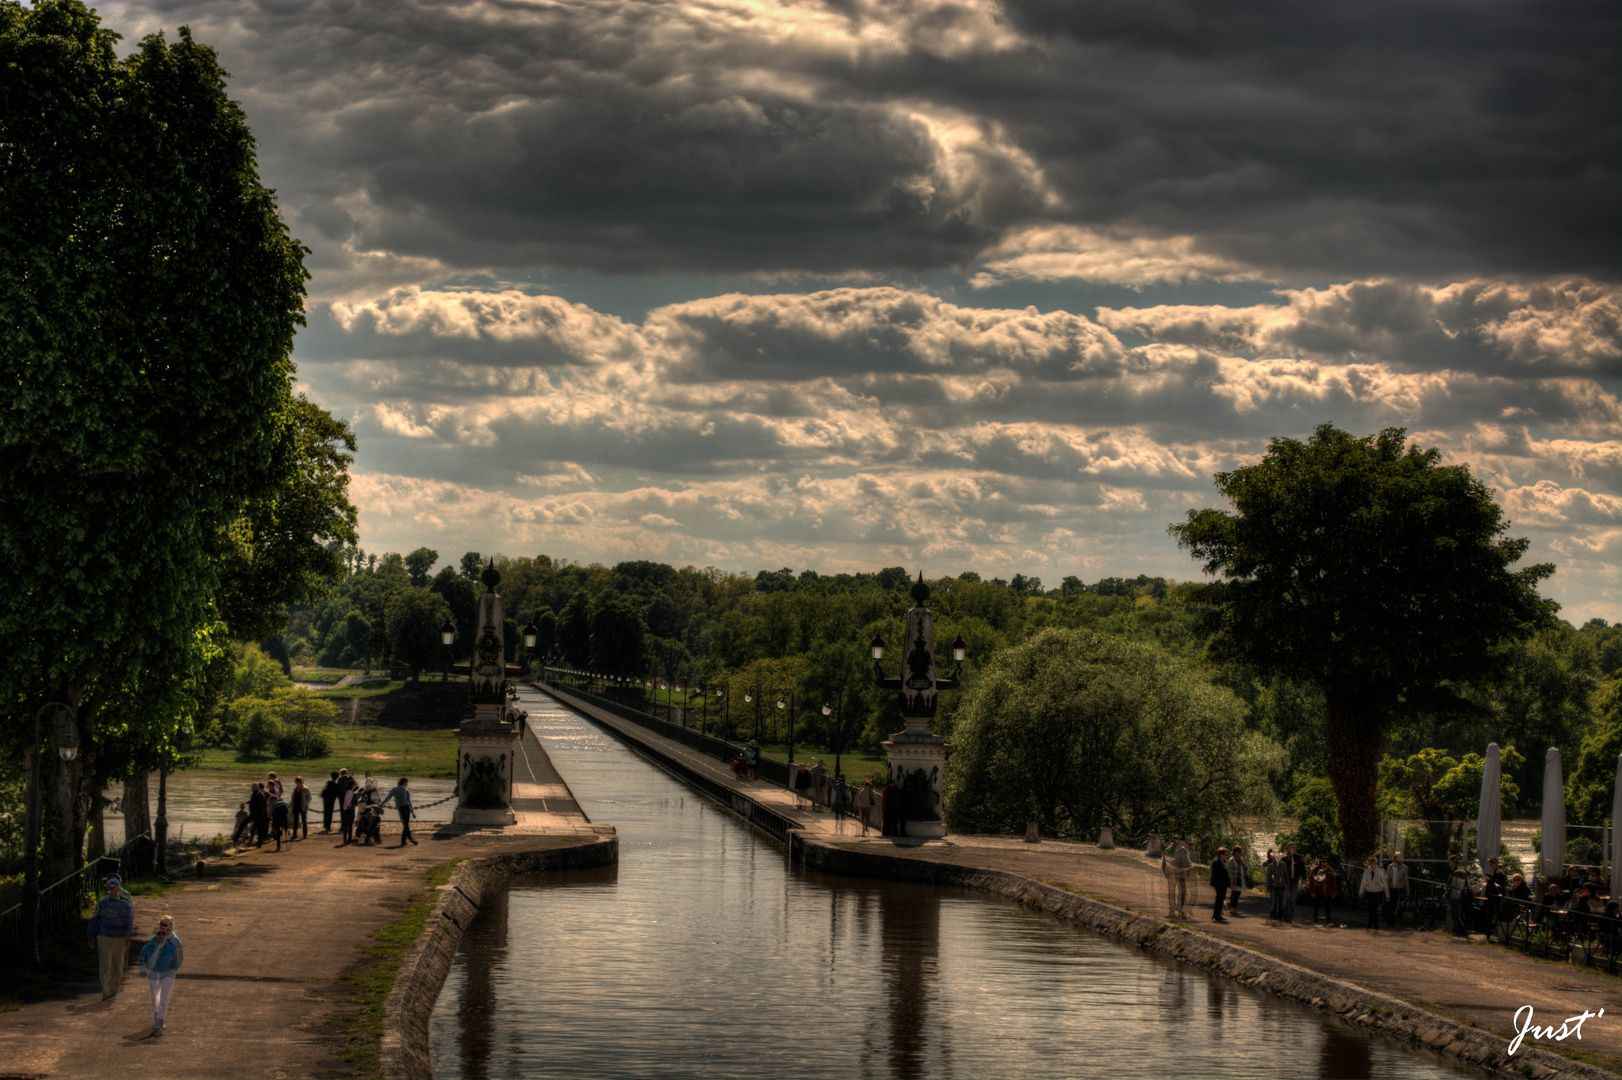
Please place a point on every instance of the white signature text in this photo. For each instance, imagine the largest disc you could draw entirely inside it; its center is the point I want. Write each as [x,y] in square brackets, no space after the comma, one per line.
[1572,1025]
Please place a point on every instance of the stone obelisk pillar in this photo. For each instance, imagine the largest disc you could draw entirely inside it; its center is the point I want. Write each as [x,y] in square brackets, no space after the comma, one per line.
[484,771]
[917,755]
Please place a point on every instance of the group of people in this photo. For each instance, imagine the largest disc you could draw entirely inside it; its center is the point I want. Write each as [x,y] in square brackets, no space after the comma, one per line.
[268,812]
[359,806]
[875,808]
[1381,889]
[111,932]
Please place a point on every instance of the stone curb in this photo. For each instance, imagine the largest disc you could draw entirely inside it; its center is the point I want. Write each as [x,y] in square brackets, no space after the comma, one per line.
[1355,1004]
[410,1002]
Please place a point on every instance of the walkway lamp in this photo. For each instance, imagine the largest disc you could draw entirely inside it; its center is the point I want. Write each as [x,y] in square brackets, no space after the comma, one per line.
[753,694]
[789,705]
[447,635]
[838,730]
[66,739]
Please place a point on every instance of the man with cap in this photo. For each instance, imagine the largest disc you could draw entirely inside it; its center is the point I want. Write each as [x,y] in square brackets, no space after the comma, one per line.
[110,932]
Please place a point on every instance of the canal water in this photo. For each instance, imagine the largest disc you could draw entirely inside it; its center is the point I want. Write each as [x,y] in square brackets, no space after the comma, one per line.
[704,955]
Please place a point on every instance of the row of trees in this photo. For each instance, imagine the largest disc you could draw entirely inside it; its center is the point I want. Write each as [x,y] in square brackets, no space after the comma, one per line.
[1368,634]
[163,491]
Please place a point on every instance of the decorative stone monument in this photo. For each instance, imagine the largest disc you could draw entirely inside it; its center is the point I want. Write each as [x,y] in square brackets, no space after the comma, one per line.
[917,756]
[484,771]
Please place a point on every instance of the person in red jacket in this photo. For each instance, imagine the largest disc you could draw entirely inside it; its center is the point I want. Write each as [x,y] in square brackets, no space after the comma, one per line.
[1323,886]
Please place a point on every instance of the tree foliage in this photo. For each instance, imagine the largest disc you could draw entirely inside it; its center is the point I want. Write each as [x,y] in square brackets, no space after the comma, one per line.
[1078,730]
[1367,568]
[150,294]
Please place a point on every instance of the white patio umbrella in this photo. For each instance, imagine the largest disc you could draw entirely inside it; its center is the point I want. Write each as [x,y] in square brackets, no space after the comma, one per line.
[1553,861]
[1489,815]
[1616,823]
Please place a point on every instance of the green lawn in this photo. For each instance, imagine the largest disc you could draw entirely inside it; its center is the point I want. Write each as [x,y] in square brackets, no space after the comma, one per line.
[321,675]
[371,688]
[376,749]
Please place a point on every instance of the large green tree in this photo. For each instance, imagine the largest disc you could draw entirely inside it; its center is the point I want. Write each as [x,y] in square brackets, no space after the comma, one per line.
[1371,570]
[1076,730]
[149,294]
[411,620]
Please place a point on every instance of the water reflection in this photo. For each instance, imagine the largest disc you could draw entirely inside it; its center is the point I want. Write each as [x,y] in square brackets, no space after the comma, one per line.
[703,955]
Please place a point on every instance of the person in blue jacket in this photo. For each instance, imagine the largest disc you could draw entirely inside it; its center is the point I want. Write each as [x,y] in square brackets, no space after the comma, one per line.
[160,960]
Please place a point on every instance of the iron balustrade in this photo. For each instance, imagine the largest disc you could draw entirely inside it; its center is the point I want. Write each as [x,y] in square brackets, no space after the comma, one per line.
[65,901]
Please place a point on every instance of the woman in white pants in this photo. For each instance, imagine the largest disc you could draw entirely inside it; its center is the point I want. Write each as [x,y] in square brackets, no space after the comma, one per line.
[160,960]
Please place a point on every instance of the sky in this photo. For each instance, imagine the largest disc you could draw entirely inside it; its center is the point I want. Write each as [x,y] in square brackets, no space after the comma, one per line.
[845,285]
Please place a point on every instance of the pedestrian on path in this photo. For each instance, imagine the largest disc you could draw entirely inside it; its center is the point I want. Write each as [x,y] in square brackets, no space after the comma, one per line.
[278,820]
[1238,877]
[1219,882]
[346,817]
[301,808]
[1373,888]
[110,931]
[1396,880]
[259,811]
[865,798]
[841,801]
[1176,868]
[273,786]
[160,962]
[1273,873]
[1323,885]
[1295,869]
[890,808]
[401,797]
[329,801]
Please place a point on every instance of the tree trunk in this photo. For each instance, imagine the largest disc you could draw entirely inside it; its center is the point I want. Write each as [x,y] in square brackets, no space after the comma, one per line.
[137,807]
[1354,731]
[96,833]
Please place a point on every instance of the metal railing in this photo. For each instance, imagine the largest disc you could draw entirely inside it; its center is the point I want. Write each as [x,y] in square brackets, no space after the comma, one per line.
[762,817]
[65,900]
[1540,930]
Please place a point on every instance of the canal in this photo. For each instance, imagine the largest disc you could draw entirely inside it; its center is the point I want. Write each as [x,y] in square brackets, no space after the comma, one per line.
[704,955]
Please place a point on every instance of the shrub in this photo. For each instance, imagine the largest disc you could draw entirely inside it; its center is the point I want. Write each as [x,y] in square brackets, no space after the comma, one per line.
[258,731]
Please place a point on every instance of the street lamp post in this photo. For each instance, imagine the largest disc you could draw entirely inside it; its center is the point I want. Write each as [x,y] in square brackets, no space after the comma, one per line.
[839,737]
[66,739]
[789,705]
[447,635]
[753,694]
[917,757]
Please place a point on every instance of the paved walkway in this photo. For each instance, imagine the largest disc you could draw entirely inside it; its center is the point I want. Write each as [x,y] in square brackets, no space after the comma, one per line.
[1470,981]
[267,941]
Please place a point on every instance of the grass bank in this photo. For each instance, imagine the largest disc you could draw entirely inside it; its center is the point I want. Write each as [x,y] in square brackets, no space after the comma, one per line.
[360,749]
[373,980]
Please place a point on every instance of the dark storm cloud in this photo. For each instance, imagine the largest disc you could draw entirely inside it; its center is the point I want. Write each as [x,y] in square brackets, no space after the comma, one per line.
[1303,142]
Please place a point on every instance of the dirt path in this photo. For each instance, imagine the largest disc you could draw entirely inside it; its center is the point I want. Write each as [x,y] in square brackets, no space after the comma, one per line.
[268,937]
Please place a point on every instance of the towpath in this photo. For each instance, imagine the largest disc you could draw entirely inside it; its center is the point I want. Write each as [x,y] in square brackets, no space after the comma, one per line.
[269,936]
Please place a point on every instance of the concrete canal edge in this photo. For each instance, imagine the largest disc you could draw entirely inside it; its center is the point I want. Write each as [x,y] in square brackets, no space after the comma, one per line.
[1355,1004]
[410,1002]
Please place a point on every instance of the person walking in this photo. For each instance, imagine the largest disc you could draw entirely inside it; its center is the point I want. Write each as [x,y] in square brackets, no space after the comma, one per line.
[1182,864]
[1458,902]
[346,816]
[400,795]
[160,962]
[278,820]
[1374,890]
[1238,877]
[1295,872]
[1323,885]
[1493,890]
[1275,876]
[300,803]
[259,811]
[841,801]
[329,801]
[865,798]
[1219,882]
[110,931]
[890,808]
[1396,880]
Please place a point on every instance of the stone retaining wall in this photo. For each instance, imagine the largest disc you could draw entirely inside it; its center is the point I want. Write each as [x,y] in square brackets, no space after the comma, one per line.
[1354,1004]
[416,986]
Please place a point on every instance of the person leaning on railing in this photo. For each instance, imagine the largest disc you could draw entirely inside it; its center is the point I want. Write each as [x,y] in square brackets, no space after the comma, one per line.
[1493,890]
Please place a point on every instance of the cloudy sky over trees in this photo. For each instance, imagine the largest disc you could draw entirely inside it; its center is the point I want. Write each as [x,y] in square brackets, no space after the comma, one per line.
[957,286]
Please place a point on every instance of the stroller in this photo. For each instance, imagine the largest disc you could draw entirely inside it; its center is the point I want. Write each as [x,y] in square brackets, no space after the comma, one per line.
[368,823]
